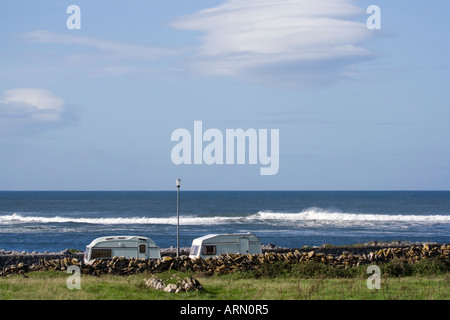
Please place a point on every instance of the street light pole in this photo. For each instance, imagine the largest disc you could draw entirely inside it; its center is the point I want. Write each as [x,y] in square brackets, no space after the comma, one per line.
[178,216]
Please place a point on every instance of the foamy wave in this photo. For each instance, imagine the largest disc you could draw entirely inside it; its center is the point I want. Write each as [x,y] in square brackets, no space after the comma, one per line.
[317,214]
[17,218]
[263,217]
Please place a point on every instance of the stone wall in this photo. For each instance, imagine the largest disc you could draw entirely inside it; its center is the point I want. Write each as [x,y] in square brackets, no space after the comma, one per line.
[233,262]
[14,258]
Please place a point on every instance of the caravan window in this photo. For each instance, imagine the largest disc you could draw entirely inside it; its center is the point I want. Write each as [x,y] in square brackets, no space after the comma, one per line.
[194,250]
[209,250]
[142,248]
[101,253]
[86,253]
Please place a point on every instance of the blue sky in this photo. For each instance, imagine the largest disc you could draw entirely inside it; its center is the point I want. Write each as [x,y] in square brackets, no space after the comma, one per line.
[94,108]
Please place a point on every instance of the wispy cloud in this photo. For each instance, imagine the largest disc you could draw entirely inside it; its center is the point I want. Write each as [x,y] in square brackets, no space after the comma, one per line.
[300,43]
[104,57]
[116,49]
[292,41]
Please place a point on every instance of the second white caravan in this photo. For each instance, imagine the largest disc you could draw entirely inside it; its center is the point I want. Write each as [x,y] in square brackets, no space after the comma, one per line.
[216,244]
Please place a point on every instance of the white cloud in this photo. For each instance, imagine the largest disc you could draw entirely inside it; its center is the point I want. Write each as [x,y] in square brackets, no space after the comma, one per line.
[26,110]
[294,41]
[37,98]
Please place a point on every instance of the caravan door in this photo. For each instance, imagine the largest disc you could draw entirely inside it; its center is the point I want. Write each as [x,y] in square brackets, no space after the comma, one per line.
[142,250]
[244,245]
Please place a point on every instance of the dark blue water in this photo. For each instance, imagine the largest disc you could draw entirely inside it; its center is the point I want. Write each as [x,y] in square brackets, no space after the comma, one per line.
[53,221]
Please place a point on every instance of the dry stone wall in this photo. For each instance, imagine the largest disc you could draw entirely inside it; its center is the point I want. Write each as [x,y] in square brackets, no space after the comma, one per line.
[232,262]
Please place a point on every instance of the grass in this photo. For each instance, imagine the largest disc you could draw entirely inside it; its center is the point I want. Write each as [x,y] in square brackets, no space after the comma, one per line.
[425,280]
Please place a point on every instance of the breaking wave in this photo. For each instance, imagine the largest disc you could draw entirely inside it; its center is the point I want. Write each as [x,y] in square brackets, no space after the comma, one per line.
[317,214]
[310,215]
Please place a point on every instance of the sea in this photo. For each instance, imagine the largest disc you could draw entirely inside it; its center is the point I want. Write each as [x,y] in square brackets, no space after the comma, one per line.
[56,220]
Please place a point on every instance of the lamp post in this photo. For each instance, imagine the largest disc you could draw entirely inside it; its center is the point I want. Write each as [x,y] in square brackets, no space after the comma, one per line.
[178,216]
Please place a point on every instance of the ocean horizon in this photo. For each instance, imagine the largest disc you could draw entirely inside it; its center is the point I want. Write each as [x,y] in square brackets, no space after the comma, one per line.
[56,220]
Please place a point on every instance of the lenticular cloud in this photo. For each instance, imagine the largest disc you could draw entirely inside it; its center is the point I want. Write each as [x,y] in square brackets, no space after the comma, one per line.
[299,41]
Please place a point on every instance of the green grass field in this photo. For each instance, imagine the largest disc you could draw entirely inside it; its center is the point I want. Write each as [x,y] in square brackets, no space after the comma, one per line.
[428,280]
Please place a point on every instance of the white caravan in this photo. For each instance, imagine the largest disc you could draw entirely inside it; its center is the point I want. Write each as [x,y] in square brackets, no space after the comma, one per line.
[121,246]
[216,244]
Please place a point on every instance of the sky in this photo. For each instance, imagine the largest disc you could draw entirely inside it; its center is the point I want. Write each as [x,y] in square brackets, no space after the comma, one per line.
[115,104]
